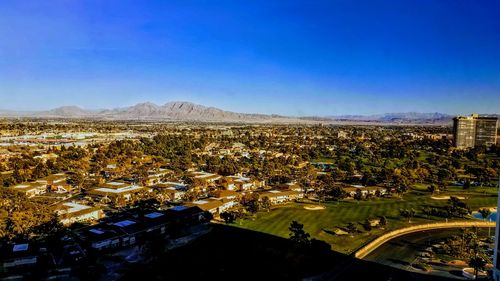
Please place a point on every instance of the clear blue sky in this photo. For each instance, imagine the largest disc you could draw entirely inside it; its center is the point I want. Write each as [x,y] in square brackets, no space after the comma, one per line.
[287,57]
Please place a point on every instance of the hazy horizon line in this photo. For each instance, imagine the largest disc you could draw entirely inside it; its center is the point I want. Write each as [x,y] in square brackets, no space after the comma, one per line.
[97,109]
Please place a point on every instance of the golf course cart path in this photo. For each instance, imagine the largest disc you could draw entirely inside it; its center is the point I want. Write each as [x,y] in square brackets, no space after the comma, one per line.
[370,247]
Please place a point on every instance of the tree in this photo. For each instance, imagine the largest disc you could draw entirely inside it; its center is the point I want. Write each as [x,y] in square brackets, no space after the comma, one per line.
[297,233]
[477,263]
[251,203]
[466,184]
[484,213]
[266,203]
[407,213]
[76,179]
[367,225]
[228,217]
[457,207]
[206,217]
[432,188]
[351,228]
[358,195]
[142,175]
[383,221]
[147,205]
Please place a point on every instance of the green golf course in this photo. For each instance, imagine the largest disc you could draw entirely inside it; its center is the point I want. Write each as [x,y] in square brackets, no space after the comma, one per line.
[338,214]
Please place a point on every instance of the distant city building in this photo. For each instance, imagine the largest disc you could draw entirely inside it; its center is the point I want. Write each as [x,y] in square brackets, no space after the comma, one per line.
[474,130]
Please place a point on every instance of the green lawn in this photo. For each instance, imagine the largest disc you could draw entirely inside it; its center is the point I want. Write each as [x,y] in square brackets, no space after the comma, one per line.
[324,160]
[276,221]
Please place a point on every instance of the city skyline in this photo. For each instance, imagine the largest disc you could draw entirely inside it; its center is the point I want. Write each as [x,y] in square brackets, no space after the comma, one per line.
[294,59]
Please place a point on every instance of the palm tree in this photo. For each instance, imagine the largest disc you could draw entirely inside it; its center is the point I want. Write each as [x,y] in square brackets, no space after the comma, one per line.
[477,263]
[351,228]
[485,213]
[407,214]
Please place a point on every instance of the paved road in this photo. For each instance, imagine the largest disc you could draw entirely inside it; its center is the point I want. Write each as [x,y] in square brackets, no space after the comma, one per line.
[421,231]
[368,248]
[403,252]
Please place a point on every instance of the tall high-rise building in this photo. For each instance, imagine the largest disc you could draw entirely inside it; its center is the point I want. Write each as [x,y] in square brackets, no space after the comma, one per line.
[474,130]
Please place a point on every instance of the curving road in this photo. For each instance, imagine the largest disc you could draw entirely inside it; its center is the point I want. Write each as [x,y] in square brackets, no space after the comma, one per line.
[370,247]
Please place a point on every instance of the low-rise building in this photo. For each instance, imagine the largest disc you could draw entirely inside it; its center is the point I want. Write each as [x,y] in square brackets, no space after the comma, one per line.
[208,178]
[281,196]
[215,206]
[365,190]
[31,189]
[240,183]
[133,229]
[226,195]
[56,183]
[20,255]
[71,212]
[156,176]
[171,191]
[118,190]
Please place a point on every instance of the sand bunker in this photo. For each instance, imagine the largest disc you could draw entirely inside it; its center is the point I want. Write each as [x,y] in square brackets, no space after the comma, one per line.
[445,197]
[314,208]
[457,263]
[492,209]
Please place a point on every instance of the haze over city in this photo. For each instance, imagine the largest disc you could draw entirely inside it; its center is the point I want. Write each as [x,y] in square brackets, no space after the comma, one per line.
[298,58]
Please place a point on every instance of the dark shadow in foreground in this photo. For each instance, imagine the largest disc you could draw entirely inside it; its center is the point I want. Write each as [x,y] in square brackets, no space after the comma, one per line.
[230,253]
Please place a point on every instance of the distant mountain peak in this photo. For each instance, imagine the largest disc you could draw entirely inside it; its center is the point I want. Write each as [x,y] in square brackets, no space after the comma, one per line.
[188,111]
[66,111]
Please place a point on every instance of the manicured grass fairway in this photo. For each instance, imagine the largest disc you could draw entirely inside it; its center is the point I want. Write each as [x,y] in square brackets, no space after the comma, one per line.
[277,221]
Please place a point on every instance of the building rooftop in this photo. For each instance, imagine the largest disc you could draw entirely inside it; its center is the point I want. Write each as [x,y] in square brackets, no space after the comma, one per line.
[72,207]
[28,186]
[126,189]
[20,247]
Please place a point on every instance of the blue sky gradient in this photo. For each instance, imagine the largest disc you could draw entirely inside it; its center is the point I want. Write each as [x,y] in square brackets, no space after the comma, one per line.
[286,57]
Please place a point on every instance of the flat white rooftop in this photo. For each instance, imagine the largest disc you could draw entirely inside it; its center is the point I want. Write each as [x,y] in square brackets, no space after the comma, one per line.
[174,183]
[75,207]
[120,190]
[239,178]
[115,183]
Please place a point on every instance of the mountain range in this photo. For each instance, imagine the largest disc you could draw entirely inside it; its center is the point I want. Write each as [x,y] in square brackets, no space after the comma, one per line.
[187,111]
[175,111]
